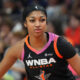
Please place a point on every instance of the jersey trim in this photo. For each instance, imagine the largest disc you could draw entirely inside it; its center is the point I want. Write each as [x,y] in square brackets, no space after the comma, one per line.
[22,55]
[55,48]
[51,37]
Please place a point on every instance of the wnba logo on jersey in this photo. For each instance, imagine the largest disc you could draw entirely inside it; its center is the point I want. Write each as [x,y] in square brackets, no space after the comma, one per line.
[38,62]
[29,56]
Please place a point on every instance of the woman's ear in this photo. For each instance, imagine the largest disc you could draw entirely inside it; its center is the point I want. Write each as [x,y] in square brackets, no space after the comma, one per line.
[25,24]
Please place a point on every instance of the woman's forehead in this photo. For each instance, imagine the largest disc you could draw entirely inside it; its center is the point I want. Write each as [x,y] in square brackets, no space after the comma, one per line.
[37,14]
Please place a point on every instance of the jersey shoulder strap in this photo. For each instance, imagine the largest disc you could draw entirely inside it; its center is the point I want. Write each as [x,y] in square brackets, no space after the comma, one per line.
[56,49]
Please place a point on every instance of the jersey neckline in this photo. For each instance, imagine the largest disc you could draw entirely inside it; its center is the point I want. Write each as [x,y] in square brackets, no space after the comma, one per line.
[43,49]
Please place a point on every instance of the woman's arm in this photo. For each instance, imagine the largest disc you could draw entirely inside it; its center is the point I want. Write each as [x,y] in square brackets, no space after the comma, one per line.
[67,51]
[75,63]
[7,61]
[11,56]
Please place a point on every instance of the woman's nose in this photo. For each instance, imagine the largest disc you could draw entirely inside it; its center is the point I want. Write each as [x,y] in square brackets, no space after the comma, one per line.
[37,23]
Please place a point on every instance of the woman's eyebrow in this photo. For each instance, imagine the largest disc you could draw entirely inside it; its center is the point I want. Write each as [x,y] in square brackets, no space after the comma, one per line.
[34,17]
[42,16]
[31,16]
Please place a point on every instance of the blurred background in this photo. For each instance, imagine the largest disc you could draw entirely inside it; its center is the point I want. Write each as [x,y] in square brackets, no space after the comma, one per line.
[63,19]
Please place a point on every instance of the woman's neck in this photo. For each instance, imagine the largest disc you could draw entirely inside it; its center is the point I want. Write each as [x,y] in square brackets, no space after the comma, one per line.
[38,42]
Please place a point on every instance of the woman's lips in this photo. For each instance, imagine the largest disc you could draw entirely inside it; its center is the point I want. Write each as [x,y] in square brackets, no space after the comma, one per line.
[38,30]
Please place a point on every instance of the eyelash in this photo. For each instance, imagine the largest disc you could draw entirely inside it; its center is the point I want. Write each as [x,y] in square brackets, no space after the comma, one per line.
[42,20]
[32,20]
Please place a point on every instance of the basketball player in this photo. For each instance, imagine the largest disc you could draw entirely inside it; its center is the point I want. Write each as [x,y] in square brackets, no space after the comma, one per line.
[46,55]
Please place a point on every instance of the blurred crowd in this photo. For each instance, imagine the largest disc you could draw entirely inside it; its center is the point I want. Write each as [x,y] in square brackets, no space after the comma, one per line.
[63,19]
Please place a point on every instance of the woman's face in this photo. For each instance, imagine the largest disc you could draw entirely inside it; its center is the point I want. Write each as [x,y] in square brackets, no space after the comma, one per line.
[36,23]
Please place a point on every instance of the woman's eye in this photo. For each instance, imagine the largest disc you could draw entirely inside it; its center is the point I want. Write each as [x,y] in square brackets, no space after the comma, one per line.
[42,20]
[32,20]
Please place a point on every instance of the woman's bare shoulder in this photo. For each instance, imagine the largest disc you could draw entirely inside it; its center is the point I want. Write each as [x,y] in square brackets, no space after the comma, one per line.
[16,49]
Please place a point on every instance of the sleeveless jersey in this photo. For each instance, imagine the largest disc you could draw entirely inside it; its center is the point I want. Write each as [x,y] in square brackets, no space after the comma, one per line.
[45,64]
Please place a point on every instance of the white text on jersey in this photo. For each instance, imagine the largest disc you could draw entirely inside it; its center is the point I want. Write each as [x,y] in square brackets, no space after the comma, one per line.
[36,62]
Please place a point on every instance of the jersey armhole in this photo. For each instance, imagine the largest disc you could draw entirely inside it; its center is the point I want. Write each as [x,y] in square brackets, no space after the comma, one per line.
[56,49]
